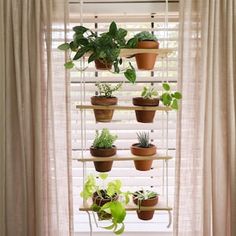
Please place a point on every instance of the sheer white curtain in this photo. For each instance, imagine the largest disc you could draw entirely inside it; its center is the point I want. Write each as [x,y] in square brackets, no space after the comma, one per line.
[35,179]
[205,202]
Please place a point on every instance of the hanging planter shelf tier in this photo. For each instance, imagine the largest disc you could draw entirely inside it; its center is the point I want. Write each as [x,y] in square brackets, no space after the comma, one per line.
[130,52]
[122,158]
[118,107]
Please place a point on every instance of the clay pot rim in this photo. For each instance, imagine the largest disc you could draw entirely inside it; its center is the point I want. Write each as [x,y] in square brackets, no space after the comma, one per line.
[135,145]
[94,148]
[145,200]
[147,100]
[98,96]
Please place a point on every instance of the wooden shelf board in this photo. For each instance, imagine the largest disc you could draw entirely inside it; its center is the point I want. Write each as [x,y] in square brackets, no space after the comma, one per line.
[122,158]
[129,52]
[132,207]
[118,107]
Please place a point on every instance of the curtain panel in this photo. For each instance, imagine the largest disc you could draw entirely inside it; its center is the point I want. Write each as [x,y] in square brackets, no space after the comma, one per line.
[35,179]
[205,196]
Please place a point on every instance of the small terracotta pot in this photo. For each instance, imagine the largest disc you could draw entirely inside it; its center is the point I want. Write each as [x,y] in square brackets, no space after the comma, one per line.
[146,61]
[102,66]
[145,116]
[146,215]
[100,114]
[143,165]
[103,166]
[100,202]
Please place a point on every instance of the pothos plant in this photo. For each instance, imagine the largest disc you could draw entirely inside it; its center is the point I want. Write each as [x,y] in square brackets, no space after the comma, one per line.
[169,98]
[104,48]
[113,209]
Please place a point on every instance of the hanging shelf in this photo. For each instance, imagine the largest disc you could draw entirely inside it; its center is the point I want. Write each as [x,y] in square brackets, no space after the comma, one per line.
[122,156]
[130,52]
[118,107]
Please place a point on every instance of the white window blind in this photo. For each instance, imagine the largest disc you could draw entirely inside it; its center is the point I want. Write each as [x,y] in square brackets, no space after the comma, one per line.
[124,123]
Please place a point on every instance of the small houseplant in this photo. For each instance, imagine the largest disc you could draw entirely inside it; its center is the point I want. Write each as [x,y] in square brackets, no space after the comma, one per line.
[143,148]
[103,147]
[145,40]
[148,98]
[105,97]
[106,201]
[145,198]
[170,98]
[104,49]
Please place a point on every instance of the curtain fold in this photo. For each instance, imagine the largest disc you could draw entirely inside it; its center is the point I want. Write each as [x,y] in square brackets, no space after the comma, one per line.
[206,155]
[35,142]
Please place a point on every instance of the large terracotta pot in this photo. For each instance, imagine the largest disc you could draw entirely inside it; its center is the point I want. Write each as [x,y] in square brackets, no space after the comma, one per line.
[143,165]
[146,61]
[146,215]
[102,66]
[102,115]
[103,166]
[100,202]
[145,116]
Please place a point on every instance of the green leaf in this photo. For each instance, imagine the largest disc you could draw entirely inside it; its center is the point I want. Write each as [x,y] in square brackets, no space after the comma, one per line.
[92,57]
[118,211]
[113,29]
[80,53]
[121,230]
[109,227]
[80,29]
[177,95]
[69,64]
[174,104]
[64,46]
[166,86]
[130,75]
[73,46]
[132,43]
[82,41]
[121,33]
[116,67]
[103,176]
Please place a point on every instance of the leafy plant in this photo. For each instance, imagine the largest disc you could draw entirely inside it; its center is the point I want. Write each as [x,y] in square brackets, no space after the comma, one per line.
[104,140]
[105,48]
[106,90]
[143,139]
[144,195]
[142,36]
[113,210]
[169,98]
[149,93]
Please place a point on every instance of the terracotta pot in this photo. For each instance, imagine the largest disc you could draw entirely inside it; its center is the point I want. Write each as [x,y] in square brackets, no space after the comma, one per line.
[143,165]
[102,66]
[145,116]
[146,61]
[146,215]
[103,166]
[100,114]
[100,202]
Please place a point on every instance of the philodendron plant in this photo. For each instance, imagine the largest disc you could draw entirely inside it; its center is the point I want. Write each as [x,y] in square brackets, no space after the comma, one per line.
[169,98]
[108,201]
[104,49]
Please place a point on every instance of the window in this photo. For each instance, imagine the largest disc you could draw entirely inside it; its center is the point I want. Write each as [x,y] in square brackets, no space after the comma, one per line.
[135,16]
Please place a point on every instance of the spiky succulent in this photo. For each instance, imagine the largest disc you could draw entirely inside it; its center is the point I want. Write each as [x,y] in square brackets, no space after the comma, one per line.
[143,139]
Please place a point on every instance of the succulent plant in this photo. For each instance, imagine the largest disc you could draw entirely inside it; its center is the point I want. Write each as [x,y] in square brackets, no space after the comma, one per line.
[106,90]
[143,139]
